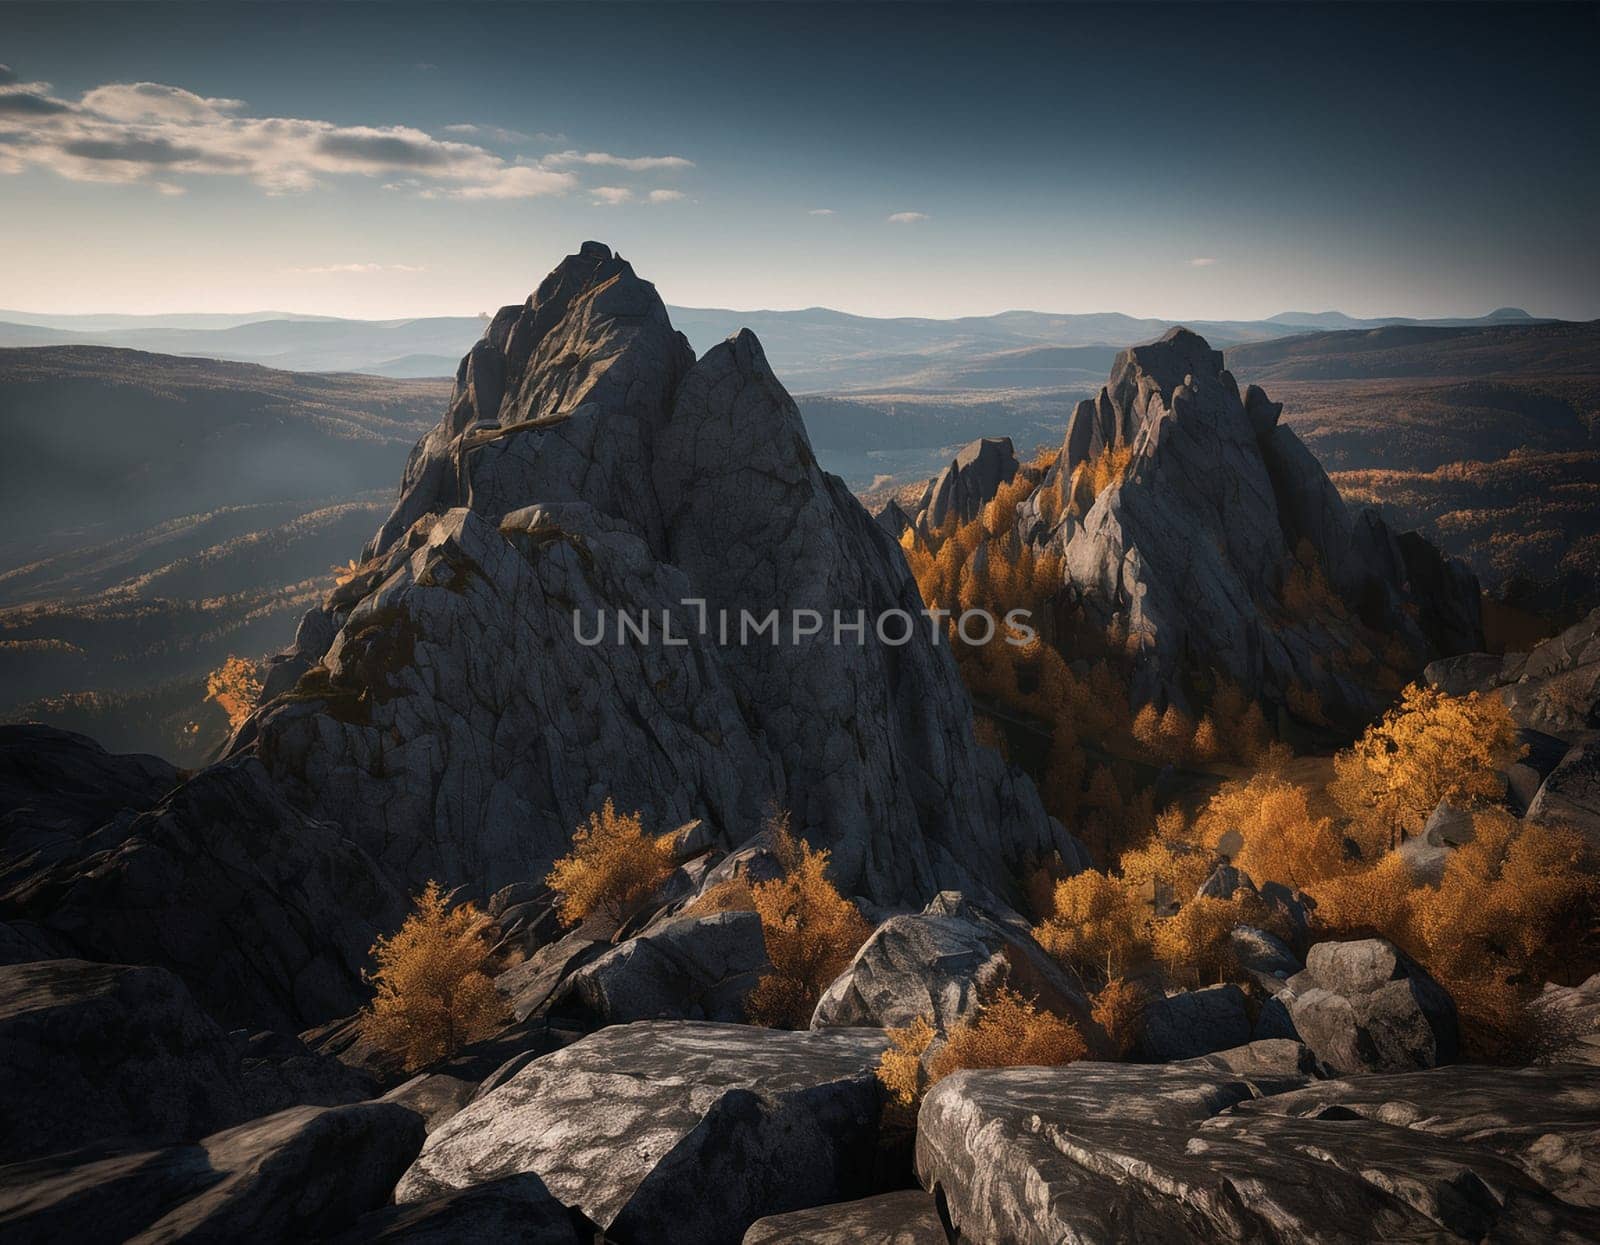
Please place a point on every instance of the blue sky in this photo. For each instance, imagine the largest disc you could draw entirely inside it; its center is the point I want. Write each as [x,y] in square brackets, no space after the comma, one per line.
[1193,161]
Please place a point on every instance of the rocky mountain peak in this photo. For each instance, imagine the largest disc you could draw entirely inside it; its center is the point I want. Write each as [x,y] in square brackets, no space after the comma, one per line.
[448,709]
[1206,548]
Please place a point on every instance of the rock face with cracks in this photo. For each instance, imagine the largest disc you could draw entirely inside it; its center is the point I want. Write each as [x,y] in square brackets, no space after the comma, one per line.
[455,714]
[674,1131]
[1188,551]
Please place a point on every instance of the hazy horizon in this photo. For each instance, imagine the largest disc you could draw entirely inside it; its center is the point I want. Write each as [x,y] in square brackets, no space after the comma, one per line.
[1179,163]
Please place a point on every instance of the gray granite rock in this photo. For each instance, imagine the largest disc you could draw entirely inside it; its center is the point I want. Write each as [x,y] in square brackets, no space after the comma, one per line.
[1365,1006]
[94,1051]
[687,968]
[1193,1022]
[674,1131]
[1110,1153]
[909,1217]
[939,964]
[1554,689]
[1573,1012]
[452,722]
[266,914]
[968,484]
[1217,501]
[1570,796]
[297,1175]
[516,1210]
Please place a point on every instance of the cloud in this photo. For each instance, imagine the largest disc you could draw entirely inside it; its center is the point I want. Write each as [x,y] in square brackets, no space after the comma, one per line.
[822,212]
[1202,261]
[361,268]
[153,133]
[142,101]
[502,135]
[611,196]
[906,218]
[665,196]
[634,164]
[8,75]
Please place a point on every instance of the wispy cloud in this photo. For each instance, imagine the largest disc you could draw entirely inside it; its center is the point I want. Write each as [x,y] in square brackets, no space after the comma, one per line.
[907,218]
[500,134]
[611,196]
[155,134]
[1202,261]
[664,196]
[822,212]
[359,268]
[633,164]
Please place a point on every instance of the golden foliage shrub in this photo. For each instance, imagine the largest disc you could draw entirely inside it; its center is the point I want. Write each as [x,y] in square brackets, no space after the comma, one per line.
[1119,1009]
[1283,840]
[1206,746]
[1169,869]
[1009,1032]
[1515,904]
[1096,925]
[613,867]
[434,995]
[811,932]
[1430,747]
[900,1066]
[235,686]
[1192,945]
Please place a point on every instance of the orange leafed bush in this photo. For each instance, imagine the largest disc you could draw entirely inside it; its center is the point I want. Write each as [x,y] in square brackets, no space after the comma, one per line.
[1283,840]
[433,993]
[1009,1032]
[1119,1011]
[811,932]
[235,686]
[613,867]
[1096,925]
[900,1067]
[1192,945]
[1430,747]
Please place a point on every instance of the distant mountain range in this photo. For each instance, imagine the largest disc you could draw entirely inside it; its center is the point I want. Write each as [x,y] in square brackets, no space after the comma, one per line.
[813,351]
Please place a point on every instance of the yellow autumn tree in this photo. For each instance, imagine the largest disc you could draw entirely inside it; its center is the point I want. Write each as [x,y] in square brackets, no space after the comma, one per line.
[1193,946]
[434,995]
[613,867]
[1284,841]
[1430,747]
[1096,926]
[235,686]
[1009,1032]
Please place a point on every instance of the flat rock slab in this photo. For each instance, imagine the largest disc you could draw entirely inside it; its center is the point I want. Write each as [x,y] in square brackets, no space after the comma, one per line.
[1113,1153]
[909,1217]
[517,1210]
[294,1176]
[667,1131]
[91,1051]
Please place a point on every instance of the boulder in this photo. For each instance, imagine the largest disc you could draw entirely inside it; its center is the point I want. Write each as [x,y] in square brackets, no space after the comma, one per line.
[908,1217]
[267,915]
[1366,1006]
[675,1131]
[1540,1119]
[1571,794]
[1278,1058]
[1553,690]
[433,1096]
[1264,957]
[1106,1152]
[530,986]
[1573,1013]
[1193,1022]
[939,963]
[59,790]
[687,968]
[515,1210]
[91,1051]
[298,1175]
